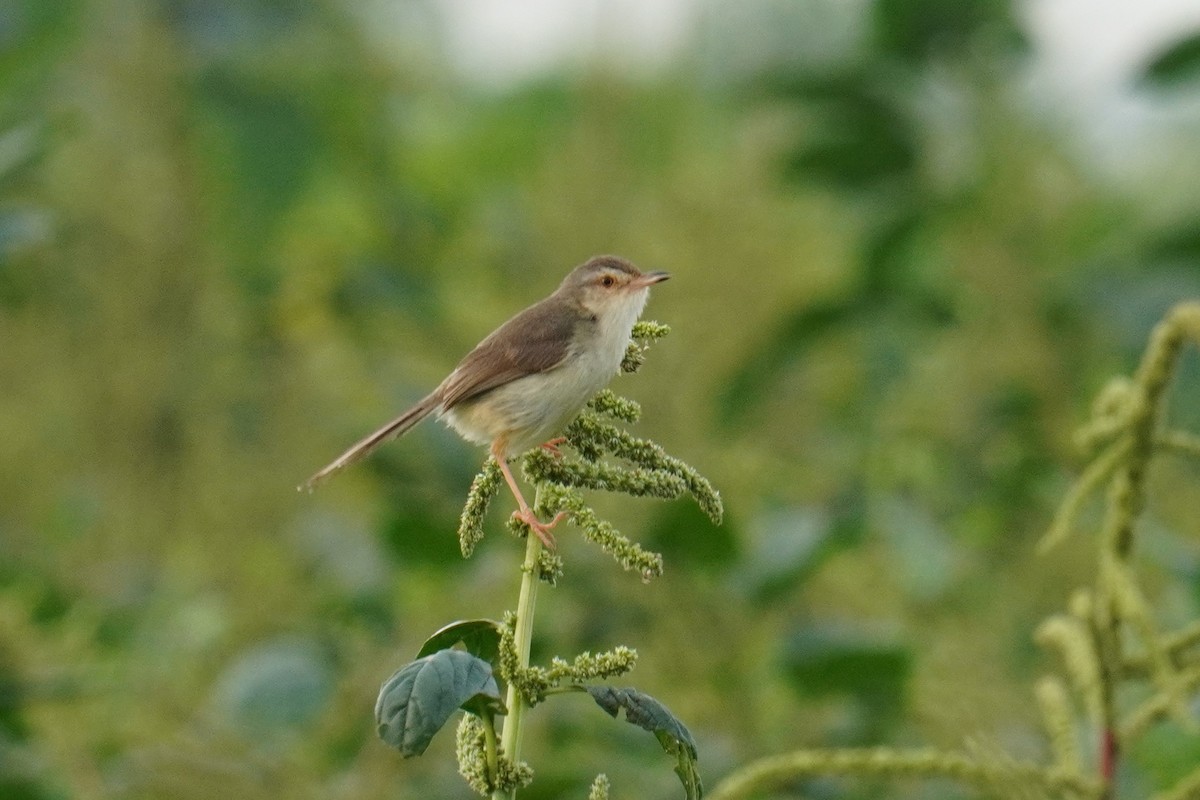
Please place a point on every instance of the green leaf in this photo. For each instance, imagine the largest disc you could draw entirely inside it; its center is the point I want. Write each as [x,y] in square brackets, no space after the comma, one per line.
[417,700]
[481,638]
[1179,63]
[644,711]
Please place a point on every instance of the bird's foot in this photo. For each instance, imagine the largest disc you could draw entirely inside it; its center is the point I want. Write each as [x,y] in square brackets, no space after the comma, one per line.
[551,446]
[539,528]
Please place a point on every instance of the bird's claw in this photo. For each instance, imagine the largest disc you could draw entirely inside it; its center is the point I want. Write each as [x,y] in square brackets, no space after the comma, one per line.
[539,528]
[551,446]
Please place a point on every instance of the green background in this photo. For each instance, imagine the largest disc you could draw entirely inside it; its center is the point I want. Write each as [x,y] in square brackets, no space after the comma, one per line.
[236,236]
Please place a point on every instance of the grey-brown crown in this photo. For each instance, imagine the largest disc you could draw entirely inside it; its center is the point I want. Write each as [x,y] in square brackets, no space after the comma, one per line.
[597,264]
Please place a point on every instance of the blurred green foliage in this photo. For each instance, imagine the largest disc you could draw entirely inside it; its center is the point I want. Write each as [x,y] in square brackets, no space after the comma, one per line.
[1179,63]
[235,235]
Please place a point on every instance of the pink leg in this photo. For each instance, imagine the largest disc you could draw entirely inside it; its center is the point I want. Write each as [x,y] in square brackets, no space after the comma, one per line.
[525,513]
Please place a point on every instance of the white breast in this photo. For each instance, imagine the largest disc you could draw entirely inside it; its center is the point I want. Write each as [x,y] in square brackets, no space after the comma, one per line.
[532,409]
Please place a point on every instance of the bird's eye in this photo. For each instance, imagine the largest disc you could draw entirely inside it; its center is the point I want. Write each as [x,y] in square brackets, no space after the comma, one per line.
[608,281]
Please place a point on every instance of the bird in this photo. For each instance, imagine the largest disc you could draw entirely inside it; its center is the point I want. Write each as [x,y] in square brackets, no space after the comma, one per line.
[527,379]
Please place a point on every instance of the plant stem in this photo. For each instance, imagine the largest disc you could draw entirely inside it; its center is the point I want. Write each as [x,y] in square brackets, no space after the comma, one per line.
[1127,500]
[782,770]
[489,743]
[510,737]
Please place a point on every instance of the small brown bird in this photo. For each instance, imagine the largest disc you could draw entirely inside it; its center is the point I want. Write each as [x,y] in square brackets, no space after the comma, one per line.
[533,374]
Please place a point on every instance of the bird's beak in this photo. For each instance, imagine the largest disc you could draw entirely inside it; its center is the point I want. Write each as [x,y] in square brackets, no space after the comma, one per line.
[651,278]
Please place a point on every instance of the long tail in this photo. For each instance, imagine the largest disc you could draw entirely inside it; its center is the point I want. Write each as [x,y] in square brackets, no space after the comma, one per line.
[395,428]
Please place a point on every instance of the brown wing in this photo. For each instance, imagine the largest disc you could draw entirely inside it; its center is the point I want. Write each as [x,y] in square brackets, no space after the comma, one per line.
[535,340]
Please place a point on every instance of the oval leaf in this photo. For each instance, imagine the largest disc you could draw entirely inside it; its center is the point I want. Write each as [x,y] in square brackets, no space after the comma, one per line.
[481,637]
[417,700]
[644,711]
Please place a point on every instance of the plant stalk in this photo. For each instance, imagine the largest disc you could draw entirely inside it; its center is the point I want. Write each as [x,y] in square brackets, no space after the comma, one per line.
[510,737]
[489,744]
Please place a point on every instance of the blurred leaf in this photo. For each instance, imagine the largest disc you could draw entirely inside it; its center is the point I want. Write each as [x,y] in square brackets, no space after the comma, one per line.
[1166,753]
[277,685]
[420,532]
[24,775]
[31,33]
[1181,243]
[893,264]
[476,151]
[263,144]
[1011,448]
[51,604]
[1131,302]
[481,638]
[859,141]
[22,230]
[924,556]
[824,660]
[117,625]
[517,130]
[417,700]
[1175,554]
[898,249]
[1178,64]
[374,287]
[12,699]
[20,148]
[888,251]
[373,612]
[916,30]
[1185,386]
[790,543]
[225,27]
[767,360]
[897,259]
[644,711]
[685,535]
[342,549]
